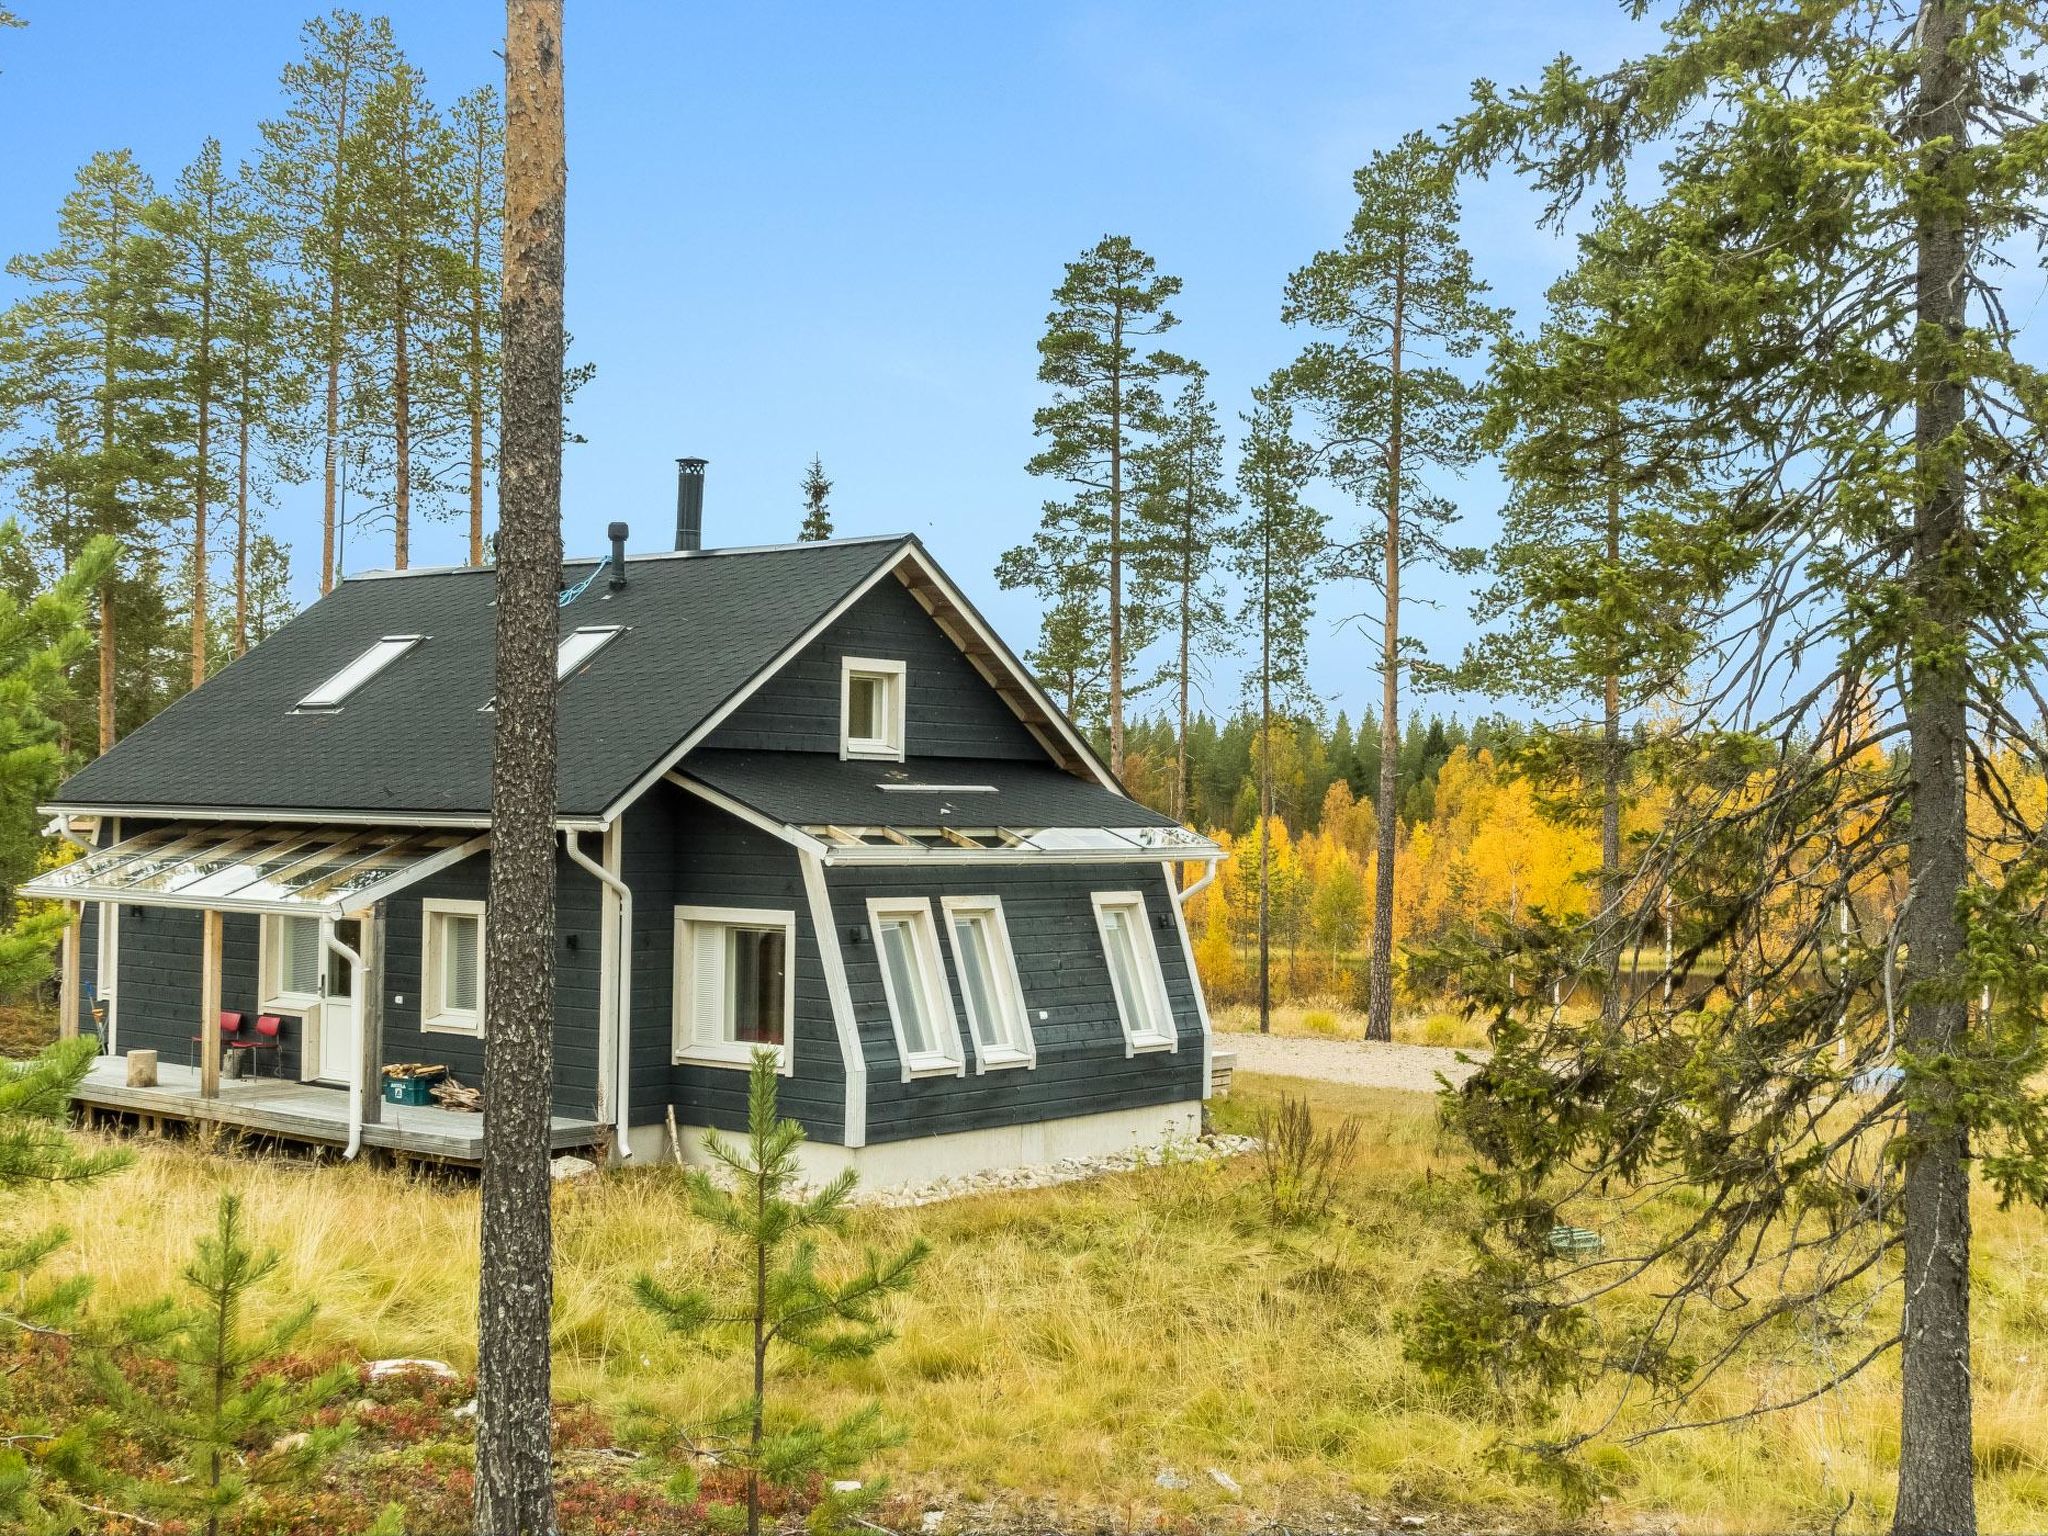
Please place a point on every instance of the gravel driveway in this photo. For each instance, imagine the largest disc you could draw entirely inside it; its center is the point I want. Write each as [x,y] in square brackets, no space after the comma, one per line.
[1367,1064]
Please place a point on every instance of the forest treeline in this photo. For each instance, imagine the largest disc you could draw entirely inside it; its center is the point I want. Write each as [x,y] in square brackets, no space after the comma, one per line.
[197,336]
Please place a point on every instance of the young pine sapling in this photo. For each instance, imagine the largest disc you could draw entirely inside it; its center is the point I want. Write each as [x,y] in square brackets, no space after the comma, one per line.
[202,1379]
[775,1296]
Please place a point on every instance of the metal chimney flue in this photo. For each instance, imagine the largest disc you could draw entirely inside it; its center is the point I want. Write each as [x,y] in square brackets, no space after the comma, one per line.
[617,533]
[690,503]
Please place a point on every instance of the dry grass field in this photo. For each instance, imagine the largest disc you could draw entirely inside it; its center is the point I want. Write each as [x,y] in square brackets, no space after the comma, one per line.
[1099,1348]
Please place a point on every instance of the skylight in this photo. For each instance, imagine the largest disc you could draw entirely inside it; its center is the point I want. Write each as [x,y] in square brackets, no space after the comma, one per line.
[580,645]
[330,694]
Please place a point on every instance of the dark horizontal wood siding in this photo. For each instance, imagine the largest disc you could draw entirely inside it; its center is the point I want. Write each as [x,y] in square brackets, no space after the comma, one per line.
[156,995]
[679,851]
[1082,1068]
[578,962]
[949,711]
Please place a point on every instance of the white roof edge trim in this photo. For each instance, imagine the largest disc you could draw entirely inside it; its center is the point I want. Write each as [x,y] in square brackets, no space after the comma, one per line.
[431,819]
[335,691]
[916,552]
[748,689]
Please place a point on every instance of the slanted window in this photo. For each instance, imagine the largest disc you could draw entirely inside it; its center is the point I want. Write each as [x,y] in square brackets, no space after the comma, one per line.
[330,694]
[579,645]
[914,985]
[871,708]
[732,985]
[290,961]
[989,986]
[452,966]
[1134,974]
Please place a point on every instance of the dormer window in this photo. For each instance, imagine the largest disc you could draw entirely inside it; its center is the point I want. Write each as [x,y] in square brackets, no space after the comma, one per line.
[871,708]
[331,694]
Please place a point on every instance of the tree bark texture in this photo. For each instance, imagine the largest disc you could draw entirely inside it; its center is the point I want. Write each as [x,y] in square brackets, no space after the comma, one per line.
[1936,1476]
[514,1487]
[1379,1018]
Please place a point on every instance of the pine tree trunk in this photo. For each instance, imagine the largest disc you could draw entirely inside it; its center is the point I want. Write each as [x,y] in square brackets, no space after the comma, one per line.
[330,456]
[1937,1491]
[1610,926]
[204,476]
[476,435]
[401,437]
[107,665]
[1116,553]
[1379,1018]
[514,1488]
[1183,783]
[242,528]
[1266,789]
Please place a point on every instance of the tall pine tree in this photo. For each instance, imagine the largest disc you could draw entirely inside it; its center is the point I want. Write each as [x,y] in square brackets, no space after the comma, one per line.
[89,352]
[1279,548]
[1185,514]
[1400,308]
[311,170]
[1106,405]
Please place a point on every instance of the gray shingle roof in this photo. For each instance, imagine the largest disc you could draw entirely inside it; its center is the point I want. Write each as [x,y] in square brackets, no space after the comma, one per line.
[415,739]
[813,789]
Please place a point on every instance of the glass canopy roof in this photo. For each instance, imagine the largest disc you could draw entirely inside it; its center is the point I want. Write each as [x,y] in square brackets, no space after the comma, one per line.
[1093,845]
[310,870]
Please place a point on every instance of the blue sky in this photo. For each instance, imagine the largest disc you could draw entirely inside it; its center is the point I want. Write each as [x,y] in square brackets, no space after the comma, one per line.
[834,228]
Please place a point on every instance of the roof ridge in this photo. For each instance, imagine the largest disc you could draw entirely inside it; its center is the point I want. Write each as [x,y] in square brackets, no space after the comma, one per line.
[645,555]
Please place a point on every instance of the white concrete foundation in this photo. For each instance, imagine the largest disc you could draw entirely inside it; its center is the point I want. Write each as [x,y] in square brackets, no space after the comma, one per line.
[888,1164]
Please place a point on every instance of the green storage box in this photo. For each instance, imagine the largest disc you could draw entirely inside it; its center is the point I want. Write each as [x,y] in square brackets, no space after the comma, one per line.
[408,1090]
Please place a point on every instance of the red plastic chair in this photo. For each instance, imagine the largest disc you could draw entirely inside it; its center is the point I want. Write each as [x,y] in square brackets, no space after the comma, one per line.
[269,1037]
[230,1027]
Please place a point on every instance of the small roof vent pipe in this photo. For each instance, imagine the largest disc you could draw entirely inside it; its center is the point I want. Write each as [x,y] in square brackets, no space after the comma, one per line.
[690,503]
[618,532]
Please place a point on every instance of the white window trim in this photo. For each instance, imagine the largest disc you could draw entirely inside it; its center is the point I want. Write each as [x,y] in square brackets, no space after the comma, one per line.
[435,1019]
[684,1048]
[877,749]
[991,908]
[270,968]
[944,1062]
[1153,979]
[330,696]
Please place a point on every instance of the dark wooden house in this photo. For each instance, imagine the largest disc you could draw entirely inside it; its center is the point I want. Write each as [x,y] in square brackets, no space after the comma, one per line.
[809,801]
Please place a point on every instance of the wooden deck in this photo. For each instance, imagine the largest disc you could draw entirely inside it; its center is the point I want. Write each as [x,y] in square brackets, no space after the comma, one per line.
[306,1112]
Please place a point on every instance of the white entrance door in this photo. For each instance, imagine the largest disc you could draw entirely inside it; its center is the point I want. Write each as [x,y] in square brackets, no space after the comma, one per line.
[335,1038]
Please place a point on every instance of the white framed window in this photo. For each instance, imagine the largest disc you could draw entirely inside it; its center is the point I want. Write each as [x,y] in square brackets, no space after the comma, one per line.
[871,708]
[331,694]
[914,985]
[290,962]
[734,991]
[452,966]
[990,989]
[106,969]
[1134,975]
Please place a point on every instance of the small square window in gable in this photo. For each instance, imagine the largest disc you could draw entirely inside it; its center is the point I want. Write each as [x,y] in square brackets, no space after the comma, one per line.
[871,708]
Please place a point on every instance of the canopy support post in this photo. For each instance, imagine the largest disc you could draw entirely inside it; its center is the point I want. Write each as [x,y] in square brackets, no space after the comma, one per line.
[209,1004]
[68,991]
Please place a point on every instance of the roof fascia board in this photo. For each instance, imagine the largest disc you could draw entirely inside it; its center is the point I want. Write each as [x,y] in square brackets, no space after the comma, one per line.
[747,690]
[803,842]
[929,568]
[452,821]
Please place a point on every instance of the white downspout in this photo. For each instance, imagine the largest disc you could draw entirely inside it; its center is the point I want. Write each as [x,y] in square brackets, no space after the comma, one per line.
[1180,898]
[622,992]
[334,946]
